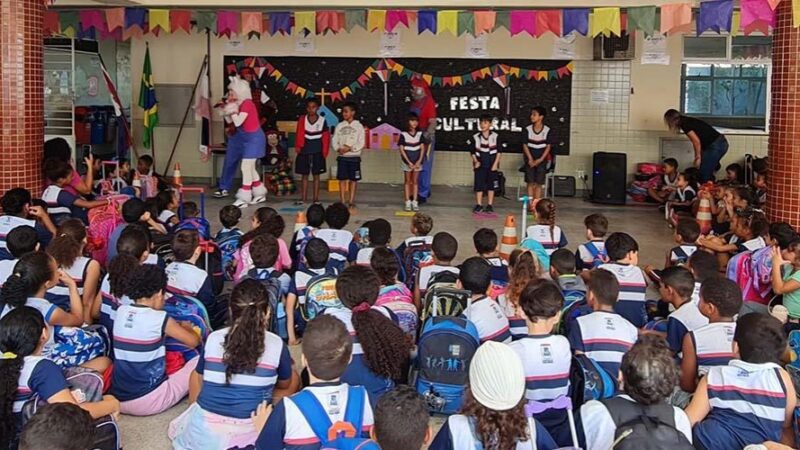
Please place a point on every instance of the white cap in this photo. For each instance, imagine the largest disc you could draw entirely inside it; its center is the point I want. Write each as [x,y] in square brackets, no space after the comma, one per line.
[496,376]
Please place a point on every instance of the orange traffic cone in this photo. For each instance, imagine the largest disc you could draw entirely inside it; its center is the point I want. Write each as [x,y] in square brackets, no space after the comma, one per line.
[177,179]
[300,221]
[509,241]
[704,215]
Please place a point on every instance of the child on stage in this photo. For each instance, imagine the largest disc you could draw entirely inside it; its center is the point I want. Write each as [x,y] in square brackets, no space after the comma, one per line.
[312,144]
[348,141]
[537,153]
[413,148]
[485,161]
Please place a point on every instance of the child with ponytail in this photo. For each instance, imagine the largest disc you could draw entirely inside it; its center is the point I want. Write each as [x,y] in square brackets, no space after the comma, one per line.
[33,276]
[241,366]
[25,374]
[380,350]
[140,378]
[545,231]
[67,249]
[523,267]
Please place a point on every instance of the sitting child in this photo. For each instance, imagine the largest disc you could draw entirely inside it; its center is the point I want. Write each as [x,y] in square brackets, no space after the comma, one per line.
[241,366]
[183,276]
[523,268]
[134,211]
[749,229]
[751,399]
[445,248]
[421,226]
[686,233]
[264,250]
[266,220]
[18,210]
[228,238]
[327,348]
[703,266]
[401,420]
[140,380]
[316,255]
[711,345]
[623,251]
[380,235]
[485,313]
[20,241]
[485,241]
[495,401]
[29,375]
[593,253]
[545,231]
[62,204]
[562,271]
[685,195]
[603,335]
[315,218]
[668,183]
[649,375]
[786,278]
[676,287]
[394,294]
[64,426]
[167,204]
[340,241]
[67,249]
[546,357]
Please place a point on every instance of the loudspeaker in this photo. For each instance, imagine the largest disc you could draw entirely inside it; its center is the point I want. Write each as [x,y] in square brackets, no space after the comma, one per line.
[562,186]
[609,177]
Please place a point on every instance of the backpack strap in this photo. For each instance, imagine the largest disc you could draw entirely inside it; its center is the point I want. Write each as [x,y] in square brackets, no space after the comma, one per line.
[316,416]
[624,412]
[592,249]
[354,412]
[680,253]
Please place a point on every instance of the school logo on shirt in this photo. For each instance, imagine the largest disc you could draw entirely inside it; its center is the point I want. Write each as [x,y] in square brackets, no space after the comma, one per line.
[334,407]
[610,324]
[547,354]
[129,319]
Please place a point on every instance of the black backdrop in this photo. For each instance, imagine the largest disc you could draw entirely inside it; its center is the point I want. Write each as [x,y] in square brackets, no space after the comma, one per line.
[317,73]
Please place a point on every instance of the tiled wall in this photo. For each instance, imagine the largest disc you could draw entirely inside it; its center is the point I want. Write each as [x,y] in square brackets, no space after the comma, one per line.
[21,94]
[783,199]
[594,128]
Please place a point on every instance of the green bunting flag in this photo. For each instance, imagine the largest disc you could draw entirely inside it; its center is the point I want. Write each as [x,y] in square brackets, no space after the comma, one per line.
[642,18]
[466,22]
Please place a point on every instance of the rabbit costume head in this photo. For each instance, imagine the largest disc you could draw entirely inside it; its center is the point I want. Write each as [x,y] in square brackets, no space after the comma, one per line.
[239,88]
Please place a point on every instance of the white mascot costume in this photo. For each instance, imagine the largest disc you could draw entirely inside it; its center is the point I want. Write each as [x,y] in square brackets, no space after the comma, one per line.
[248,144]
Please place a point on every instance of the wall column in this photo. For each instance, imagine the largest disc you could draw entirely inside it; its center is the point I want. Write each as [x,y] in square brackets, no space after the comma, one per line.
[783,195]
[21,94]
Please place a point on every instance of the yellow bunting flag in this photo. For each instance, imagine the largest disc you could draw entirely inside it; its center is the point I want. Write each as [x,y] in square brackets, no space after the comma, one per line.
[305,20]
[300,92]
[796,13]
[277,75]
[606,21]
[159,18]
[346,91]
[514,71]
[427,78]
[486,71]
[398,68]
[736,23]
[447,21]
[457,80]
[376,20]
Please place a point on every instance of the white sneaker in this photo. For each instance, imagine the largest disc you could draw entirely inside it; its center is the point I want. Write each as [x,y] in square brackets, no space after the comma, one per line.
[408,205]
[259,199]
[415,205]
[241,204]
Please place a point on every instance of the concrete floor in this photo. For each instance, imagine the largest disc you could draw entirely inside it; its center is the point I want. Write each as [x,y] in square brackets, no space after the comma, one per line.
[450,209]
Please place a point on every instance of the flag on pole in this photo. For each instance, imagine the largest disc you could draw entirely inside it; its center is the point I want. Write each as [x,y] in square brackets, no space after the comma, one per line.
[148,101]
[122,123]
[202,112]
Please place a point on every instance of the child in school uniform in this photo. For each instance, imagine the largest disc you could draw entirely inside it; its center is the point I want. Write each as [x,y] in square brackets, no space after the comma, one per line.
[313,144]
[241,366]
[593,252]
[61,204]
[685,195]
[537,152]
[573,287]
[327,348]
[139,380]
[18,210]
[20,241]
[444,248]
[523,267]
[27,375]
[623,254]
[167,204]
[67,250]
[667,184]
[134,211]
[228,238]
[401,420]
[545,356]
[380,350]
[495,400]
[545,231]
[676,287]
[315,218]
[485,242]
[264,250]
[316,257]
[752,399]
[703,266]
[394,294]
[603,335]
[380,236]
[183,275]
[265,220]
[421,226]
[340,241]
[686,233]
[485,313]
[348,142]
[413,151]
[485,162]
[711,345]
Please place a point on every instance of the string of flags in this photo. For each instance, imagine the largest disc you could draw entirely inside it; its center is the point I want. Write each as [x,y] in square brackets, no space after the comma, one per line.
[717,16]
[384,69]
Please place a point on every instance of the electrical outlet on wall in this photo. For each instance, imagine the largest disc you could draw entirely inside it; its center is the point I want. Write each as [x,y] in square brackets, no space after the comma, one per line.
[581,174]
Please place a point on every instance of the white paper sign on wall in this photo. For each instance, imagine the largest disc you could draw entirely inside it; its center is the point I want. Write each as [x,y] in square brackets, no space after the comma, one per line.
[654,50]
[390,44]
[564,47]
[304,43]
[599,96]
[477,46]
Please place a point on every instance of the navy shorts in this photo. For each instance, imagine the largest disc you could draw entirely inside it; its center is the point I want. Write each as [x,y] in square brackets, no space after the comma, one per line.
[310,164]
[348,168]
[485,179]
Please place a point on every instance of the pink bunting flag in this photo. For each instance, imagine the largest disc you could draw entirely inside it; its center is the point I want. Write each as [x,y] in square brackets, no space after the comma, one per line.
[395,17]
[759,25]
[115,18]
[523,21]
[329,20]
[484,21]
[180,19]
[675,16]
[93,18]
[252,22]
[51,23]
[773,4]
[757,10]
[548,20]
[227,23]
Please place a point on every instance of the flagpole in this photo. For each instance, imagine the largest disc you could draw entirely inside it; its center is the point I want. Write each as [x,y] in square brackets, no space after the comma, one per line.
[186,113]
[210,95]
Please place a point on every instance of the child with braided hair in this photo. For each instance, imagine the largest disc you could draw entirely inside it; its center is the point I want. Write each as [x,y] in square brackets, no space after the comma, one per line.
[545,231]
[67,249]
[241,366]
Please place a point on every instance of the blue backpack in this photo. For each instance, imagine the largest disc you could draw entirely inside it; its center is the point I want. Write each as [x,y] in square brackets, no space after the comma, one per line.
[418,254]
[277,323]
[187,309]
[344,435]
[573,308]
[589,381]
[228,244]
[198,224]
[445,349]
[599,257]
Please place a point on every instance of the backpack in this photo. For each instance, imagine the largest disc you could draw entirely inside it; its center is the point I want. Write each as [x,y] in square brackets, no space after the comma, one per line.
[400,301]
[571,311]
[589,381]
[320,295]
[343,435]
[444,351]
[643,427]
[500,184]
[227,248]
[198,224]
[680,253]
[599,257]
[418,254]
[183,308]
[102,223]
[747,269]
[442,292]
[277,320]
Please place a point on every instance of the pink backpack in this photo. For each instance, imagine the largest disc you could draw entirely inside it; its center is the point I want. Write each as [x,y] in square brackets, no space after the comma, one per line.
[399,299]
[102,222]
[750,270]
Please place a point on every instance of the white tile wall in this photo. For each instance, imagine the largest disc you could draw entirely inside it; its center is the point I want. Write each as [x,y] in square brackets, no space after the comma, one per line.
[593,128]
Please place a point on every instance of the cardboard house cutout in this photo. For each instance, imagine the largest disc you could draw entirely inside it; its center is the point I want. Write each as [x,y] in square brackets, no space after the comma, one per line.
[384,137]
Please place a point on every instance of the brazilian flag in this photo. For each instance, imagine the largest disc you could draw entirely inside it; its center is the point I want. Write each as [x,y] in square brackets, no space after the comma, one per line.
[148,102]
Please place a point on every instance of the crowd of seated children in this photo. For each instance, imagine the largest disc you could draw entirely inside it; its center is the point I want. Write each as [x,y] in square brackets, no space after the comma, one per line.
[20,241]
[592,253]
[445,249]
[523,267]
[482,310]
[545,231]
[19,210]
[749,230]
[67,250]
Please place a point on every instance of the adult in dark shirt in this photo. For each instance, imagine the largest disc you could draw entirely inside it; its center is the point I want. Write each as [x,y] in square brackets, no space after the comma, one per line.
[709,145]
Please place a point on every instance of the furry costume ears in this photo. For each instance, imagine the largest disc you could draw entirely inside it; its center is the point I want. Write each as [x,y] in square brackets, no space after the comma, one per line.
[239,87]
